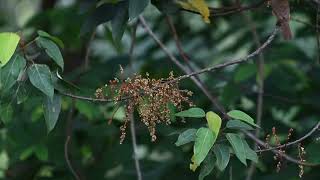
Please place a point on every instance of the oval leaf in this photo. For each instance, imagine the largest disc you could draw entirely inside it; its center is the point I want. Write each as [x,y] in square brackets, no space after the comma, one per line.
[237,124]
[8,44]
[40,78]
[52,38]
[236,114]
[186,137]
[214,123]
[52,108]
[222,153]
[238,146]
[192,112]
[203,144]
[51,49]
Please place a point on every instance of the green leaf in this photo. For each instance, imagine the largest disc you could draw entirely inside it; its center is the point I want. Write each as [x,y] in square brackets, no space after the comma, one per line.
[245,72]
[192,113]
[214,123]
[241,148]
[236,114]
[52,38]
[8,44]
[186,137]
[9,74]
[222,153]
[203,144]
[250,154]
[52,108]
[136,7]
[40,77]
[238,145]
[237,124]
[41,152]
[119,21]
[101,14]
[207,166]
[51,49]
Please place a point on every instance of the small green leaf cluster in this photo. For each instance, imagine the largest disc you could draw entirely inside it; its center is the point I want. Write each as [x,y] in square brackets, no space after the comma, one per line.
[209,149]
[21,76]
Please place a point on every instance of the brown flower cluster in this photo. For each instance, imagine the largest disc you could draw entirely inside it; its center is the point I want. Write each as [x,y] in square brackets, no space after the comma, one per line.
[151,98]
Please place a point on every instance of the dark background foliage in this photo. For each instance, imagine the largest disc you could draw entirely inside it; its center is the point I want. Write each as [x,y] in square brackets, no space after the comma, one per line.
[291,92]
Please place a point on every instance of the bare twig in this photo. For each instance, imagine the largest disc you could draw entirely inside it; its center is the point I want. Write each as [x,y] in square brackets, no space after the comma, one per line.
[287,157]
[313,130]
[135,148]
[68,141]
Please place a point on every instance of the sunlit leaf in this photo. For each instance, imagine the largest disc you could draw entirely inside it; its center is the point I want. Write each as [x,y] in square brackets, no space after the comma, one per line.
[214,123]
[8,44]
[199,6]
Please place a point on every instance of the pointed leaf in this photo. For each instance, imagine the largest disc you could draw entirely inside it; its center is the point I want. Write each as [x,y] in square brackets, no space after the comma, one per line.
[40,77]
[51,49]
[236,114]
[250,153]
[222,153]
[238,145]
[237,124]
[186,137]
[136,7]
[119,21]
[52,108]
[52,38]
[8,44]
[192,113]
[203,144]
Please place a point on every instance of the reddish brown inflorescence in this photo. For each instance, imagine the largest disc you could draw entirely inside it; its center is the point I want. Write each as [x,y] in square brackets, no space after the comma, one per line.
[150,97]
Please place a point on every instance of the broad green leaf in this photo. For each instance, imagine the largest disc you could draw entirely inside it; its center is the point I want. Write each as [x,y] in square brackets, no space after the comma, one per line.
[52,108]
[250,154]
[51,49]
[222,153]
[40,77]
[8,44]
[192,113]
[203,143]
[236,114]
[238,145]
[214,123]
[207,166]
[119,21]
[53,38]
[41,152]
[237,124]
[136,7]
[186,137]
[9,74]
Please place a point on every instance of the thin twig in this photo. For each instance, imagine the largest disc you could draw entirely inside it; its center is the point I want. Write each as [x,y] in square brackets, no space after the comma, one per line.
[287,157]
[313,130]
[187,61]
[135,148]
[68,141]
